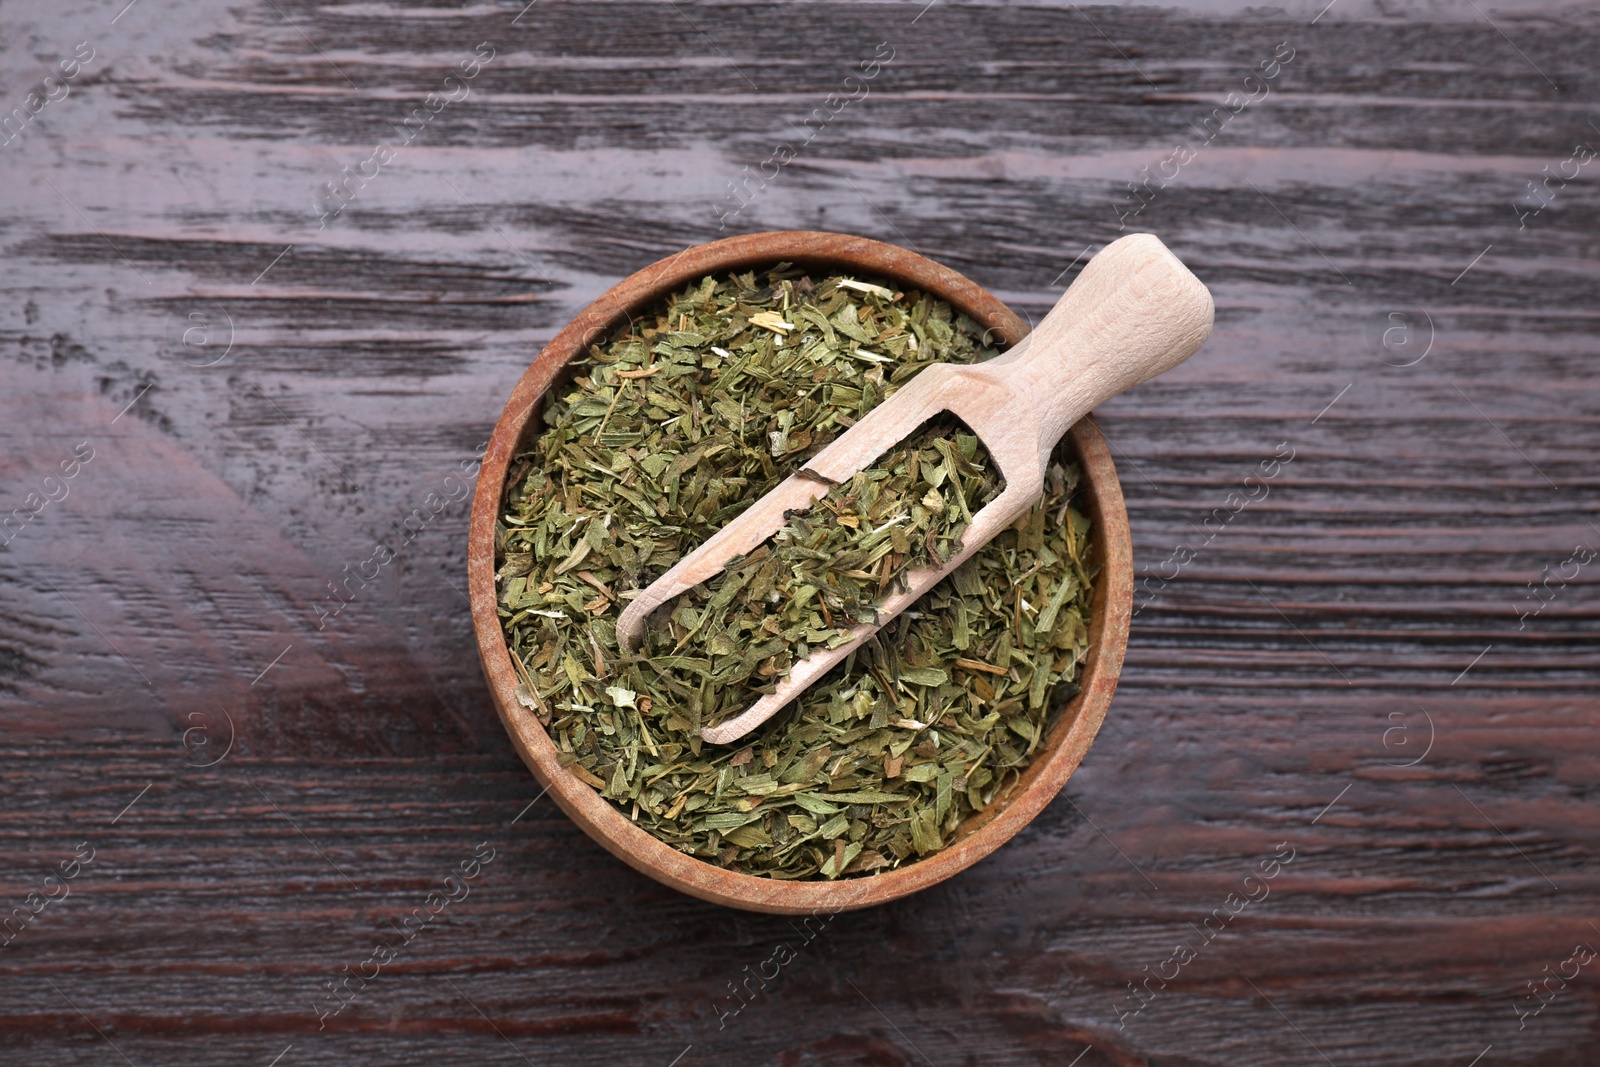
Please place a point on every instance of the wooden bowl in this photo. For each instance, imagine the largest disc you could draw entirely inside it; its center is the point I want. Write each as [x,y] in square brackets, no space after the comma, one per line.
[1067,739]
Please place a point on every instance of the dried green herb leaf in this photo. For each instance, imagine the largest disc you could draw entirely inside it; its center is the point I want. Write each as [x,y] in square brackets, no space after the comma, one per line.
[667,431]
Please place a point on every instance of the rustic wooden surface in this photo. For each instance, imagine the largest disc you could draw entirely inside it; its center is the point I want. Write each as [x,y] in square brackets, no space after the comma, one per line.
[1341,668]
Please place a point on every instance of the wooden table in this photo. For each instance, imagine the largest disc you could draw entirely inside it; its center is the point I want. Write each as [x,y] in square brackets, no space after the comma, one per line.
[1348,667]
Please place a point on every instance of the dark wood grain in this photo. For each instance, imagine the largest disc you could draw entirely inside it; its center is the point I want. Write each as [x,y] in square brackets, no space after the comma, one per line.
[1280,688]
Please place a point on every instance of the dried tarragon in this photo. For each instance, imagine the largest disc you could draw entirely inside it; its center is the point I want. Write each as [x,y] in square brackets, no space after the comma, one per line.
[824,571]
[667,432]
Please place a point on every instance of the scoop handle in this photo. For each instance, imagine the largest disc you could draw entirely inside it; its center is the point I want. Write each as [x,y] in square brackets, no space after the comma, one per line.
[1135,311]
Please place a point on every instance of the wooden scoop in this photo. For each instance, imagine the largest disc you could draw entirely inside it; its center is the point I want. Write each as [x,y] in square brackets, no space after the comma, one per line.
[1133,313]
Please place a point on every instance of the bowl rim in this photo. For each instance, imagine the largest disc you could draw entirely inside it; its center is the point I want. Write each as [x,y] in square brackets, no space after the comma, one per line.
[1074,727]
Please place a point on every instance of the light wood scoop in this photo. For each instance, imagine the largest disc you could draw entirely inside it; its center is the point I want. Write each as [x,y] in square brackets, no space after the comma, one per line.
[1134,312]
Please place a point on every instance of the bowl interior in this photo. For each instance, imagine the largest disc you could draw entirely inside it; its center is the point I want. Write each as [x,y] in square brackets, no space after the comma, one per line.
[1072,726]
